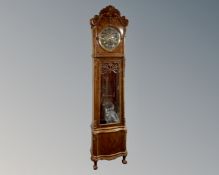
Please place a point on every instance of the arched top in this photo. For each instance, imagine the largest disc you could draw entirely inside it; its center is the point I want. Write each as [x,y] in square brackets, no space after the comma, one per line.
[108,12]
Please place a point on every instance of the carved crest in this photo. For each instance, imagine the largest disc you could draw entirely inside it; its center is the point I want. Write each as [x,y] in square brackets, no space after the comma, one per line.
[109,12]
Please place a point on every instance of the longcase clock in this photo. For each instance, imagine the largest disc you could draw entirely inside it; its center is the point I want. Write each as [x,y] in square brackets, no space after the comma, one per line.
[108,121]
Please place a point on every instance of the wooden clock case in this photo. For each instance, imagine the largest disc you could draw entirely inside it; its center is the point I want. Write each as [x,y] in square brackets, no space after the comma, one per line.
[108,139]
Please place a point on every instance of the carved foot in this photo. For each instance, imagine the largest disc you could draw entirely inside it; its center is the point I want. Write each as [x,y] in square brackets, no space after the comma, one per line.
[123,160]
[95,165]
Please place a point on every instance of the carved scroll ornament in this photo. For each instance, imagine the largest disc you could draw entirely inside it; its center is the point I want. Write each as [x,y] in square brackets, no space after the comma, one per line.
[110,12]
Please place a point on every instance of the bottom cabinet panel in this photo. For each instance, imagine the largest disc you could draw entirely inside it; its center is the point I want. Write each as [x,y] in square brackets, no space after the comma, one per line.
[111,142]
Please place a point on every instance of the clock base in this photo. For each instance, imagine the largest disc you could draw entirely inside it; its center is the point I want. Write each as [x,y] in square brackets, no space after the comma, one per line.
[108,144]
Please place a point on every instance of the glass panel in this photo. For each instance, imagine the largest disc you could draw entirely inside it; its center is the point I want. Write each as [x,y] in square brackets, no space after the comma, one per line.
[109,93]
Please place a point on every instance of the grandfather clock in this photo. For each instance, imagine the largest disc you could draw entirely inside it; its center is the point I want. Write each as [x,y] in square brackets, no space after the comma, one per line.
[108,122]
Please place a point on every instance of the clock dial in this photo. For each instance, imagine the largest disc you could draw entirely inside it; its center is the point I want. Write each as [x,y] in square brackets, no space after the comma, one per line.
[109,38]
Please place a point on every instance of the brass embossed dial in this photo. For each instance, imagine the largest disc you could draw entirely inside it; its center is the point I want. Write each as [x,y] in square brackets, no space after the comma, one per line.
[109,38]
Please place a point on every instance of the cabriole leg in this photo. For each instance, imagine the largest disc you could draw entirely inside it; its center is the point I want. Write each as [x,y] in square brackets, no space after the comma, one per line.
[95,165]
[123,160]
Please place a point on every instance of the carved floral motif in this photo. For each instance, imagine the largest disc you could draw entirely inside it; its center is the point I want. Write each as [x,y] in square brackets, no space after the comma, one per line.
[109,67]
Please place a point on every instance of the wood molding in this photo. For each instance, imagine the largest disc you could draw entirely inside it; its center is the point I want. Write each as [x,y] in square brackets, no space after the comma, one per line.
[109,157]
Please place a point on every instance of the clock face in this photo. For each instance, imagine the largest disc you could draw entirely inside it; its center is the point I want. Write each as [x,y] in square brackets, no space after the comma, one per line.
[109,38]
